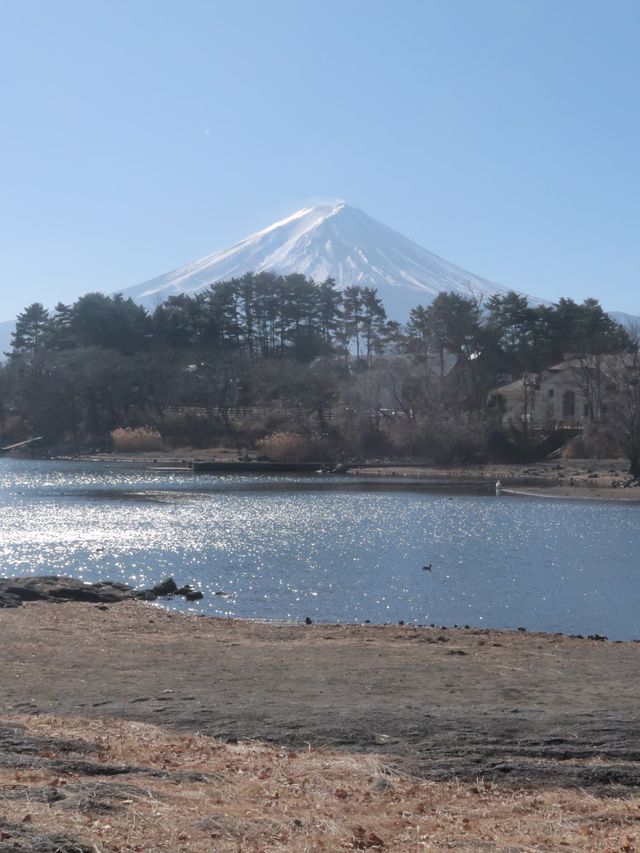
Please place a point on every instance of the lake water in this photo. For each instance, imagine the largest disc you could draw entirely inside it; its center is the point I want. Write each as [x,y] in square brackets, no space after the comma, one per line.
[336,549]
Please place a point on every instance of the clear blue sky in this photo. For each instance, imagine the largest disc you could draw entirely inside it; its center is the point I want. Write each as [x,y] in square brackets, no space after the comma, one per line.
[137,135]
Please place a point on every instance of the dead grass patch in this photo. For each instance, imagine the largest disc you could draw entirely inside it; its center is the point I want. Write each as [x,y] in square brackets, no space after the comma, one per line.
[136,439]
[194,793]
[293,447]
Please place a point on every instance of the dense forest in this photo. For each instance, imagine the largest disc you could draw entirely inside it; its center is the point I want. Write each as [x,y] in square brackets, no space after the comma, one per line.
[267,355]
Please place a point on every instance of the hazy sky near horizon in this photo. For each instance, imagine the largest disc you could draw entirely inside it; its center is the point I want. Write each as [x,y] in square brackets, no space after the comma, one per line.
[138,135]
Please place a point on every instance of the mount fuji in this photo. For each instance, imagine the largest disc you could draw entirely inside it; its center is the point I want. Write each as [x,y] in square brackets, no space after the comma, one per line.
[330,240]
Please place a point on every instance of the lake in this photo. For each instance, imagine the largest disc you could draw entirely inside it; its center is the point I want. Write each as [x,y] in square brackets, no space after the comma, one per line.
[336,549]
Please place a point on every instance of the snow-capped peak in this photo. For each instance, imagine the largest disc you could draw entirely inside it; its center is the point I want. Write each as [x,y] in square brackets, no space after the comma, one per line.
[329,240]
[311,216]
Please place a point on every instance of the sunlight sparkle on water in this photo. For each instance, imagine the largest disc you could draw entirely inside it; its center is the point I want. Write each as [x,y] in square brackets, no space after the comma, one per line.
[336,550]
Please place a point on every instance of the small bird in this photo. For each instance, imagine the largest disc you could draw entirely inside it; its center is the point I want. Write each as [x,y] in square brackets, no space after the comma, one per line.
[426,568]
[308,621]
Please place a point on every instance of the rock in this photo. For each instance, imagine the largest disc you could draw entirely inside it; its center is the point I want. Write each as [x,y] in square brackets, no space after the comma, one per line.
[9,600]
[189,593]
[144,595]
[196,595]
[52,588]
[55,588]
[165,587]
[23,592]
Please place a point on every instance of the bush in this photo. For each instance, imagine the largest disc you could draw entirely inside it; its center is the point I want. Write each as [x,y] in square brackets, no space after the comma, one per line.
[293,447]
[132,439]
[360,438]
[460,440]
[191,429]
[12,430]
[595,442]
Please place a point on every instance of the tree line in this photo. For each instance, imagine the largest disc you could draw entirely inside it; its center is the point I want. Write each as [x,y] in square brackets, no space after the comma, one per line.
[330,359]
[260,315]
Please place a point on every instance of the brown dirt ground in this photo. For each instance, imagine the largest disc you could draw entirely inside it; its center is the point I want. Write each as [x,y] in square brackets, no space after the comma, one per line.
[523,709]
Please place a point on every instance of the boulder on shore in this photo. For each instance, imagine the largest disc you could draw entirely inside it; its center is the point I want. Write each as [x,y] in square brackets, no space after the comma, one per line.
[54,588]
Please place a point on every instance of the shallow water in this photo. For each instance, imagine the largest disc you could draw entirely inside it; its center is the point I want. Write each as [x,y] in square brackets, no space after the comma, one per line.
[332,548]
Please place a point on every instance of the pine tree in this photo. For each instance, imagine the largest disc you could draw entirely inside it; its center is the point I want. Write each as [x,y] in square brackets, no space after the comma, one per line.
[32,327]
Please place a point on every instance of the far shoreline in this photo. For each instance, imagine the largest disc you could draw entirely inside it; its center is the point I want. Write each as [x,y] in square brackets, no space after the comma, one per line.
[573,479]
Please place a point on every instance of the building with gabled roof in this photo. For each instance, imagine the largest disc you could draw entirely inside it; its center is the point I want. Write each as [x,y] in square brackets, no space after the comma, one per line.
[567,395]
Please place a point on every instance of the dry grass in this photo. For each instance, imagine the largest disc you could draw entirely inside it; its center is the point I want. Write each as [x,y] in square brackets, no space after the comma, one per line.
[132,439]
[293,447]
[263,799]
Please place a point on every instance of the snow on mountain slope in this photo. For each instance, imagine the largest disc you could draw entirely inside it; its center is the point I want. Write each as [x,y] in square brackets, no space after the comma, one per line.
[631,322]
[331,240]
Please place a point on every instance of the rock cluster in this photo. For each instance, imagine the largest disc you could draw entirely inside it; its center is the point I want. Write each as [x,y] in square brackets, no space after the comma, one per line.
[53,588]
[629,483]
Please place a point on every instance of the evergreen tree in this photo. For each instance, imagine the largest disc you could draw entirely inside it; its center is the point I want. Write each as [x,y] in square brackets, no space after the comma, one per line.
[32,327]
[373,322]
[329,310]
[352,307]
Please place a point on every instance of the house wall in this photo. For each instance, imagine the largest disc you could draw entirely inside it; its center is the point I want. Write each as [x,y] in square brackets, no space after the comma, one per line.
[553,400]
[560,402]
[556,397]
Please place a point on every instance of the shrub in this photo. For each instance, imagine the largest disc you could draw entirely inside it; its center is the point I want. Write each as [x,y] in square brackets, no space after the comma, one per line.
[191,429]
[360,438]
[12,430]
[595,442]
[132,439]
[447,440]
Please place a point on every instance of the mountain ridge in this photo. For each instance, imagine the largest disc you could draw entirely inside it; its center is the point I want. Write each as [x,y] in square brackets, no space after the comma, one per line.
[332,240]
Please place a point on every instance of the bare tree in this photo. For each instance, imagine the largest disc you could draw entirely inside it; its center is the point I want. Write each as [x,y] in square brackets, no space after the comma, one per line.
[622,405]
[590,376]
